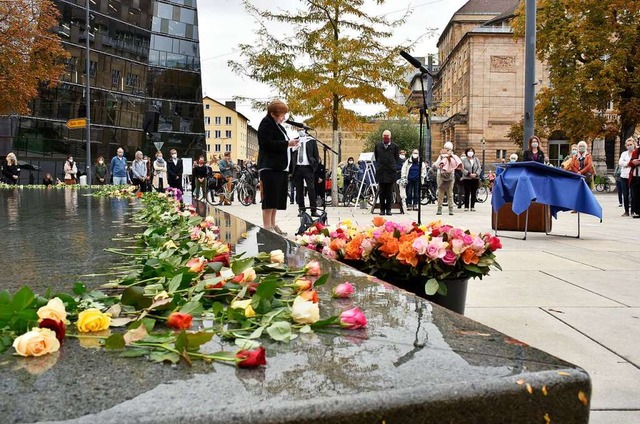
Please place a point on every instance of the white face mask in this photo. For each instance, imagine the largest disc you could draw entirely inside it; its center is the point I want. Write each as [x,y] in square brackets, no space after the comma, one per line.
[574,151]
[70,159]
[350,162]
[630,148]
[302,133]
[512,160]
[402,157]
[582,150]
[100,162]
[415,156]
[470,154]
[534,145]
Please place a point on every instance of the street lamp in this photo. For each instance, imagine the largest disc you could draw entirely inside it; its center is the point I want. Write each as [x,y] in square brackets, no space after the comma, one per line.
[483,143]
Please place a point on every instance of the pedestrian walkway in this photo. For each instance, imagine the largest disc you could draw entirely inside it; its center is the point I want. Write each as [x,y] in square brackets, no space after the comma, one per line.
[577,299]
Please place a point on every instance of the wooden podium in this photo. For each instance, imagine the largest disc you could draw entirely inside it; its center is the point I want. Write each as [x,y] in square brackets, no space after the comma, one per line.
[537,219]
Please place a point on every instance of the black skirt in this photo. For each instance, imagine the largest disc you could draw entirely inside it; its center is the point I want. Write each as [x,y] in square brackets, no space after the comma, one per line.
[274,189]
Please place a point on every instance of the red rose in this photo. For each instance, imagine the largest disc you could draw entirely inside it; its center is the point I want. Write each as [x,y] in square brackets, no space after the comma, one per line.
[222,258]
[179,321]
[238,278]
[56,326]
[251,358]
[495,244]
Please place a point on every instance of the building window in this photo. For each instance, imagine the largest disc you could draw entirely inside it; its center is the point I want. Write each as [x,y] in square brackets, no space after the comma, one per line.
[206,107]
[217,134]
[132,80]
[208,134]
[218,120]
[501,154]
[208,147]
[227,133]
[207,120]
[218,146]
[227,147]
[115,77]
[228,120]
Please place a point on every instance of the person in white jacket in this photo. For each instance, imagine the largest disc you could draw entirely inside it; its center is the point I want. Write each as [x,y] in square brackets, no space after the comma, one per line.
[625,157]
[413,173]
[70,171]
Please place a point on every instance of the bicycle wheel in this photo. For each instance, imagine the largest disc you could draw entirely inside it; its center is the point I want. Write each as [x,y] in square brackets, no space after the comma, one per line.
[600,187]
[369,195]
[212,197]
[349,196]
[482,194]
[246,195]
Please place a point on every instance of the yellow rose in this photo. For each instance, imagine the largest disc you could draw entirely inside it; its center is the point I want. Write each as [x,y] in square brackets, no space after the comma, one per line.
[53,310]
[277,256]
[246,305]
[37,342]
[304,312]
[249,312]
[249,275]
[92,320]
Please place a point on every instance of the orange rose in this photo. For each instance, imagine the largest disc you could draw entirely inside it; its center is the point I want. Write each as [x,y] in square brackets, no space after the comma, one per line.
[353,250]
[303,284]
[179,321]
[196,264]
[310,295]
[337,244]
[469,257]
[407,254]
[379,221]
[390,247]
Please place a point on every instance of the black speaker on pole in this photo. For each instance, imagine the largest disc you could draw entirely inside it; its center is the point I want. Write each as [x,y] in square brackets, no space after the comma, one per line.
[150,123]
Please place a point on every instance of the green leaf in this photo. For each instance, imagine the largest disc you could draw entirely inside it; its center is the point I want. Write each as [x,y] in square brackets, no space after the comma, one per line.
[174,283]
[5,297]
[281,331]
[267,289]
[193,307]
[79,288]
[134,296]
[241,264]
[195,340]
[22,299]
[163,356]
[114,342]
[134,353]
[431,287]
[215,266]
[217,308]
[181,342]
[442,289]
[322,280]
[245,344]
[325,323]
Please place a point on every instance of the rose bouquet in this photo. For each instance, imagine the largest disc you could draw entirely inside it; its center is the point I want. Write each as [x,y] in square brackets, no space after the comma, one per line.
[417,254]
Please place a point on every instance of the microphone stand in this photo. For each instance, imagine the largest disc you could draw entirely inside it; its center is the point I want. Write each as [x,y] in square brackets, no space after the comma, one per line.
[324,177]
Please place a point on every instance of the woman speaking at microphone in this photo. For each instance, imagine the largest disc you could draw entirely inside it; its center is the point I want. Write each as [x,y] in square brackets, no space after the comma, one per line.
[274,157]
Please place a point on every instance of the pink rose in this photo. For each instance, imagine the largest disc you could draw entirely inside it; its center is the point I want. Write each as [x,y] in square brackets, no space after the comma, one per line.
[352,319]
[195,234]
[420,245]
[312,268]
[450,258]
[457,246]
[436,248]
[343,290]
[467,239]
[329,253]
[478,246]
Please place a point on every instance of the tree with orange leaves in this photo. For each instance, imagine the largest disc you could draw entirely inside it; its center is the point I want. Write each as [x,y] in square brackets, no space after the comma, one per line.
[31,55]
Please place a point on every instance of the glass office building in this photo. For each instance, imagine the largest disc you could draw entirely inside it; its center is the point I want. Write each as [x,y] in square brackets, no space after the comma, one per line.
[145,85]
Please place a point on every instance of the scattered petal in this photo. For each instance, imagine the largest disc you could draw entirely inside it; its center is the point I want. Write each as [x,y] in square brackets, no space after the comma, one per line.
[544,390]
[529,389]
[564,374]
[583,398]
[520,382]
[547,419]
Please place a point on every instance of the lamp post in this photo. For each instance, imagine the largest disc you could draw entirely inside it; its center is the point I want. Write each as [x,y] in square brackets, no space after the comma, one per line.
[483,143]
[88,91]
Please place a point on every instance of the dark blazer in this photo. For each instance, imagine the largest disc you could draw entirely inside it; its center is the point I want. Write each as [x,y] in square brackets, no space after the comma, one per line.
[272,145]
[386,160]
[313,155]
[174,170]
[528,156]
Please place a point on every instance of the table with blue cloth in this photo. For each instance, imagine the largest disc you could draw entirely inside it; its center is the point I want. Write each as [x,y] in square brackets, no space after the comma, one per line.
[522,183]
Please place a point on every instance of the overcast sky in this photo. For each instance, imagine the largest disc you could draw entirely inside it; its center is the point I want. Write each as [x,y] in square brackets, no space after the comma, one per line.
[224,24]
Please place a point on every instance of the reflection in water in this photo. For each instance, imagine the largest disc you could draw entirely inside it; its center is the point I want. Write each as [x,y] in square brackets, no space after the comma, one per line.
[71,201]
[37,365]
[11,202]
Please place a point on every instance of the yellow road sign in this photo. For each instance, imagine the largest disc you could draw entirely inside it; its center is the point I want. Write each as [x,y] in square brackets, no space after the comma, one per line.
[73,124]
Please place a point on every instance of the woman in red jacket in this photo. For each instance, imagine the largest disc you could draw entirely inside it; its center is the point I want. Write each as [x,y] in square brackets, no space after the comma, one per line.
[582,163]
[634,182]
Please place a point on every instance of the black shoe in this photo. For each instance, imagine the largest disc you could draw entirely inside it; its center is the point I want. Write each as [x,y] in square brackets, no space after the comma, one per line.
[635,215]
[316,214]
[389,213]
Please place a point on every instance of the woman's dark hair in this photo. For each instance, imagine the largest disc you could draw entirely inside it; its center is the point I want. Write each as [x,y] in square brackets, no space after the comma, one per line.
[469,149]
[350,158]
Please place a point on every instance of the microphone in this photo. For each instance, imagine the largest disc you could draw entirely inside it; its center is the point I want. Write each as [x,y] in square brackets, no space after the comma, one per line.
[297,124]
[415,62]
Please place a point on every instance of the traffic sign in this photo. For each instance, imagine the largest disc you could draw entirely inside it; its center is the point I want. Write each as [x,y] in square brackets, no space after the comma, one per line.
[73,124]
[158,144]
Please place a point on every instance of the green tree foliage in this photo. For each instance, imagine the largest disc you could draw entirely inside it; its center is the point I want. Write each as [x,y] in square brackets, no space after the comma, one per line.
[592,50]
[30,54]
[403,132]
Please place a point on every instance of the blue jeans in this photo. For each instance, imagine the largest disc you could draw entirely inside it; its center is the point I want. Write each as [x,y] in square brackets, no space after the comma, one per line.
[413,192]
[119,180]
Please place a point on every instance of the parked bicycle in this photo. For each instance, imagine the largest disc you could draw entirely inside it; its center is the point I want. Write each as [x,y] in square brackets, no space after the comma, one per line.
[221,191]
[603,184]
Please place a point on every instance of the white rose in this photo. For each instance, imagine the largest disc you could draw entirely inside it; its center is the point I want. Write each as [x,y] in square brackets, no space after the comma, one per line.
[53,310]
[249,275]
[227,274]
[304,311]
[37,342]
[277,256]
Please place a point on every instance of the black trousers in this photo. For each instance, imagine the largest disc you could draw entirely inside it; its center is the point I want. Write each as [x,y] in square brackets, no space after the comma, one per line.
[470,190]
[175,182]
[635,195]
[386,196]
[302,175]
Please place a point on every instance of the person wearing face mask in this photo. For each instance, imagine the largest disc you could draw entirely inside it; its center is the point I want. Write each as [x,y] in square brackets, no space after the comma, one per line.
[446,164]
[159,173]
[100,172]
[413,173]
[634,181]
[623,163]
[471,171]
[349,172]
[118,168]
[513,158]
[582,163]
[70,171]
[139,172]
[534,153]
[387,155]
[200,174]
[174,170]
[566,164]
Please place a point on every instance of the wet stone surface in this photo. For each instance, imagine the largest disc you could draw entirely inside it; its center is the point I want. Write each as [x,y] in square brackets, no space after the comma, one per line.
[415,362]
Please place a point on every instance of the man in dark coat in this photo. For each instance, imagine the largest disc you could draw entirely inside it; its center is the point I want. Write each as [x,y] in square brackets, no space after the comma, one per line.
[174,170]
[387,155]
[306,160]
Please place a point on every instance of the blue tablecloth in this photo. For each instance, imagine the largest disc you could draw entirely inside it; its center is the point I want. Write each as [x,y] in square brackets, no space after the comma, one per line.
[523,182]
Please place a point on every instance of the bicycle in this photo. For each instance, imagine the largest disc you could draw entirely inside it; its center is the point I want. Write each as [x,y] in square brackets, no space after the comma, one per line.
[350,194]
[482,194]
[219,192]
[603,184]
